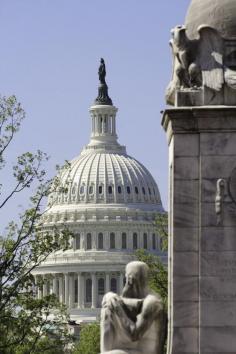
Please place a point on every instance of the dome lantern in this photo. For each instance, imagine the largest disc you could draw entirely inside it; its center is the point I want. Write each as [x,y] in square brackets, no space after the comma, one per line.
[103,116]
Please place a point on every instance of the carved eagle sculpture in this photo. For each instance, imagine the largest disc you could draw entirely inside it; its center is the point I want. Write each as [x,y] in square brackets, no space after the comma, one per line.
[196,63]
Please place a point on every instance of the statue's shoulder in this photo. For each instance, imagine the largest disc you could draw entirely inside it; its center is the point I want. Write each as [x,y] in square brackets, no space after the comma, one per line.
[153,303]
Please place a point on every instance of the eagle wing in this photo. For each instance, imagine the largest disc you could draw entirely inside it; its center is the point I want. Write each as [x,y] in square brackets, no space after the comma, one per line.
[210,57]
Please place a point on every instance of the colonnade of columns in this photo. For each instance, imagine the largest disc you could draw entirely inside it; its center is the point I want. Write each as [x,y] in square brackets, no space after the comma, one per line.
[79,290]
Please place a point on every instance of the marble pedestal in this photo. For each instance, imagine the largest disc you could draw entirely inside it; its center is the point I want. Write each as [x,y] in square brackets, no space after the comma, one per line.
[202,229]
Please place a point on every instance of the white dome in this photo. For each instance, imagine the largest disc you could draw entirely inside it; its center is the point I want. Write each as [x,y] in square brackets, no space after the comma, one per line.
[110,206]
[100,177]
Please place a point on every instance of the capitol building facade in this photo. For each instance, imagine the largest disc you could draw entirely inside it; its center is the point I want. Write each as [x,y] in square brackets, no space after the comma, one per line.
[111,207]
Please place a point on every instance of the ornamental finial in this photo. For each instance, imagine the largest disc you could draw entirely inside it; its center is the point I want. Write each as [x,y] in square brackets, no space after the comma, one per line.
[103,97]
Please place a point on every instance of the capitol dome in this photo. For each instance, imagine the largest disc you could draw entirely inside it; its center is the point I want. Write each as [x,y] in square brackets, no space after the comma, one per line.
[219,14]
[110,205]
[103,177]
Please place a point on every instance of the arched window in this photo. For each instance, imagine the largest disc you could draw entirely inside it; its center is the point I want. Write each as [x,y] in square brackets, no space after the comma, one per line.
[119,189]
[100,189]
[100,241]
[88,290]
[136,190]
[128,190]
[81,191]
[124,241]
[91,190]
[89,242]
[145,245]
[113,285]
[143,189]
[77,241]
[154,246]
[110,189]
[135,241]
[112,240]
[149,190]
[101,286]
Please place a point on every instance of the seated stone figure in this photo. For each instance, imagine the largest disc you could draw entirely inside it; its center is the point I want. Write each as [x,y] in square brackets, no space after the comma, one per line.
[134,323]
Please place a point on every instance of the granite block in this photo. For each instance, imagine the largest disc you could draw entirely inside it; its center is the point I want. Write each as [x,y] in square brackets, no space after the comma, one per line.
[218,263]
[186,191]
[218,288]
[185,288]
[218,239]
[218,339]
[186,239]
[189,140]
[186,264]
[214,314]
[186,168]
[218,143]
[185,339]
[185,215]
[186,314]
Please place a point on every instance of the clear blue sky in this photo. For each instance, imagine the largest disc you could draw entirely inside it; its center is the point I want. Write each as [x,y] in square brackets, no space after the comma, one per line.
[50,51]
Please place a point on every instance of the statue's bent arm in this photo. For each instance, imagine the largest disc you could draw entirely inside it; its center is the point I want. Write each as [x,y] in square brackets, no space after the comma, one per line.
[150,311]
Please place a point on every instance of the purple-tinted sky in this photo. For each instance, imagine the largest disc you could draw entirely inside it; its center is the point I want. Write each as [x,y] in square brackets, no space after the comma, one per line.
[50,51]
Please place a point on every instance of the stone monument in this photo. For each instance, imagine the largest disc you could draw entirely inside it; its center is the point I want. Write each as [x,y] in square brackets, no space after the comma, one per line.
[201,131]
[134,323]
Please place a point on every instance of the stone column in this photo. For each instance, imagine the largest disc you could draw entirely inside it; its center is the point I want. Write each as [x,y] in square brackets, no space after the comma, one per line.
[202,229]
[79,276]
[45,290]
[121,282]
[39,288]
[54,285]
[71,290]
[94,291]
[66,275]
[107,283]
[61,288]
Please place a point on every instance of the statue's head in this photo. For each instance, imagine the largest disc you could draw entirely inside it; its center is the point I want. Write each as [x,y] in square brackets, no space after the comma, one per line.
[102,61]
[136,285]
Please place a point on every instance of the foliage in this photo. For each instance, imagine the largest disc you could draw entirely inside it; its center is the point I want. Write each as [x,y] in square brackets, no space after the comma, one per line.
[161,224]
[158,275]
[24,319]
[89,342]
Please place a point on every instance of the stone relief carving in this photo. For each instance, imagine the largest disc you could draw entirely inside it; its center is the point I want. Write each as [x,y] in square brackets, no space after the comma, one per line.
[219,201]
[134,323]
[206,63]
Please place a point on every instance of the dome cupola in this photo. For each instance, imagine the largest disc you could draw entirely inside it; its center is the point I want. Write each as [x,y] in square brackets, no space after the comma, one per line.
[104,173]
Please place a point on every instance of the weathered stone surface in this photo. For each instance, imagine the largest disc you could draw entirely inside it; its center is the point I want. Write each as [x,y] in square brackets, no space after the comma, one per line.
[191,141]
[186,214]
[218,239]
[219,144]
[186,314]
[218,339]
[202,258]
[218,313]
[186,288]
[218,288]
[186,239]
[186,264]
[217,166]
[186,168]
[221,263]
[187,191]
[185,339]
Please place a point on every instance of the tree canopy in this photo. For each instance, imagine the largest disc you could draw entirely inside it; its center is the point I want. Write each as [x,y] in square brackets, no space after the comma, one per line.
[25,320]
